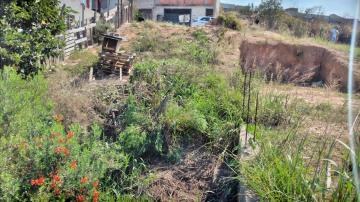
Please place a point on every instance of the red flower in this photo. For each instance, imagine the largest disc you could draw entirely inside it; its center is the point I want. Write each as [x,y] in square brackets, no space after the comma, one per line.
[96,184]
[70,135]
[53,185]
[96,195]
[57,192]
[80,197]
[84,180]
[73,165]
[38,182]
[56,178]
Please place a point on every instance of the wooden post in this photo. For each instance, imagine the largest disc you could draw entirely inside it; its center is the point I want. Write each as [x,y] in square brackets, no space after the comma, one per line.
[91,73]
[82,14]
[120,74]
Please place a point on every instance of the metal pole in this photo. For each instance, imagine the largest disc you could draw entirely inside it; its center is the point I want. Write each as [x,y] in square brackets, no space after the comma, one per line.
[118,15]
[108,8]
[121,11]
[82,14]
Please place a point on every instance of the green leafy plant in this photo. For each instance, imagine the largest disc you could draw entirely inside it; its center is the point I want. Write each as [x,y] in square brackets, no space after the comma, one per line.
[27,36]
[270,12]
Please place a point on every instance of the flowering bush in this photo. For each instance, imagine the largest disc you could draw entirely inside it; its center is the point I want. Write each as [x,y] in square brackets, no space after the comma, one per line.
[63,165]
[41,160]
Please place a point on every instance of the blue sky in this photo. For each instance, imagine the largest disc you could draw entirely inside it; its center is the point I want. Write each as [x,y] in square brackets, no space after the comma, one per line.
[344,8]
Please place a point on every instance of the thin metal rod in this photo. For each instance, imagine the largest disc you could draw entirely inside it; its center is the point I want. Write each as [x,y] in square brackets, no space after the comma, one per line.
[256,111]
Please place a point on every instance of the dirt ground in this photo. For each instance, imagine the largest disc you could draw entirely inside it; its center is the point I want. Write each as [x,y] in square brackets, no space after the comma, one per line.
[192,179]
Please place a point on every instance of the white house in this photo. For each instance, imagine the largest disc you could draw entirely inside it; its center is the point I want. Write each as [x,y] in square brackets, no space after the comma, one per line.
[177,11]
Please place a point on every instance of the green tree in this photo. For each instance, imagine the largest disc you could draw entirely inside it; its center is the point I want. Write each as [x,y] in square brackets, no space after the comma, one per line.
[28,30]
[270,12]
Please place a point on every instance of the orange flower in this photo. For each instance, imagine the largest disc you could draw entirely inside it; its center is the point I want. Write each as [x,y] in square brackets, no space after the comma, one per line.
[61,140]
[63,150]
[69,135]
[84,180]
[96,195]
[95,184]
[38,182]
[73,165]
[80,197]
[58,150]
[66,151]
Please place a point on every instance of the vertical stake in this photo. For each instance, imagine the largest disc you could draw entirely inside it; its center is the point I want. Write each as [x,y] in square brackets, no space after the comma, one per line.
[256,111]
[91,73]
[120,74]
[248,108]
[244,94]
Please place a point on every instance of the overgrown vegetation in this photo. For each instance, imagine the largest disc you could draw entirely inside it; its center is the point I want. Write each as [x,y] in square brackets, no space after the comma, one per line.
[177,97]
[43,160]
[287,169]
[101,28]
[229,20]
[270,12]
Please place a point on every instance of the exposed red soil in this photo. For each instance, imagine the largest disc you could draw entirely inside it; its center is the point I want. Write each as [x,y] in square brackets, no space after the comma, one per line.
[297,63]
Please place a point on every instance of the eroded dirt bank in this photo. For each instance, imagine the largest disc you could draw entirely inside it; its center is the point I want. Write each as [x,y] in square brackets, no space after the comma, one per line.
[297,63]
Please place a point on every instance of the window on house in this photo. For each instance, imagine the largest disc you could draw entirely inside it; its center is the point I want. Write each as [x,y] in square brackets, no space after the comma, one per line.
[209,12]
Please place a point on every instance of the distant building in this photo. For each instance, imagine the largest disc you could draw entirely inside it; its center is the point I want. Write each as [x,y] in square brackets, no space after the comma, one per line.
[109,9]
[177,11]
[87,11]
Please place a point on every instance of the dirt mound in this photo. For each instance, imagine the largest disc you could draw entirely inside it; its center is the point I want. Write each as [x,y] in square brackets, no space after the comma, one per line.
[296,63]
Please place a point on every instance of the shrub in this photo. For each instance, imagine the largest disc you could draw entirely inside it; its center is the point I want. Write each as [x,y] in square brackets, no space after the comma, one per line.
[345,33]
[148,42]
[101,27]
[270,12]
[24,106]
[27,37]
[132,139]
[138,16]
[295,26]
[41,160]
[229,20]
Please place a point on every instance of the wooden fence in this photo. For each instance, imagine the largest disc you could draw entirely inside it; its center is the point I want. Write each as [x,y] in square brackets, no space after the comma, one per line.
[78,38]
[75,39]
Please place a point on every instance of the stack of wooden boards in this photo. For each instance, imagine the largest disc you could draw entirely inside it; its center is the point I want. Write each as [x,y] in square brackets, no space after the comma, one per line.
[116,63]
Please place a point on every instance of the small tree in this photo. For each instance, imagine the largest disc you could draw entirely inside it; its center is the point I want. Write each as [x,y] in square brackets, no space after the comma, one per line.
[270,12]
[28,30]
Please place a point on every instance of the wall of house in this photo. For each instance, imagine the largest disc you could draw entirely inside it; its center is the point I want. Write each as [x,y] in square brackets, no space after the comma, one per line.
[198,7]
[185,2]
[76,6]
[144,4]
[196,11]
